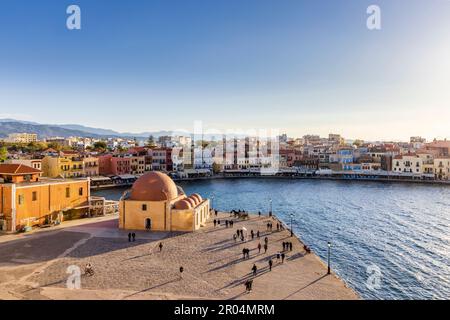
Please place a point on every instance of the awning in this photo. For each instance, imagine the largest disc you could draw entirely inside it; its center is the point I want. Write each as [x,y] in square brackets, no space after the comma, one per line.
[127,176]
[100,179]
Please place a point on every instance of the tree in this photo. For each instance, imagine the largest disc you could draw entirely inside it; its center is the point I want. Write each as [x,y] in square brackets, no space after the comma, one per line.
[3,154]
[100,146]
[151,142]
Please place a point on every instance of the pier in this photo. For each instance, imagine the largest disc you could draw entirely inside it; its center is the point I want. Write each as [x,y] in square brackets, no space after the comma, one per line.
[213,264]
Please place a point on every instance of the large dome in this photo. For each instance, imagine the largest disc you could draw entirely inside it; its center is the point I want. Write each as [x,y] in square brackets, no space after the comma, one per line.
[154,186]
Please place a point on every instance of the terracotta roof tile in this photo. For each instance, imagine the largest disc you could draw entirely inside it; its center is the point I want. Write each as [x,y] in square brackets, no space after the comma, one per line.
[17,169]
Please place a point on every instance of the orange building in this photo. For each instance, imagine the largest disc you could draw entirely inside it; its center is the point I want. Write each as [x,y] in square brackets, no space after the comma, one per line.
[26,200]
[156,203]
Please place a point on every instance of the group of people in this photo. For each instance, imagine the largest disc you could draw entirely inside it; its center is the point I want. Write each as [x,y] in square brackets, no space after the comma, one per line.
[228,223]
[287,246]
[131,236]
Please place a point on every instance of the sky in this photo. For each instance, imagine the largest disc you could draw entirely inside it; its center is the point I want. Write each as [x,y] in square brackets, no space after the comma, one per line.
[300,67]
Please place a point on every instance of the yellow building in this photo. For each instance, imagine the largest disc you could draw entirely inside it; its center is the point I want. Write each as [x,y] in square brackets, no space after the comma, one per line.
[63,166]
[22,137]
[156,203]
[32,201]
[442,168]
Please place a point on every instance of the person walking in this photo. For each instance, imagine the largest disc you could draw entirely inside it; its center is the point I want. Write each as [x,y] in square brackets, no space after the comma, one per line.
[259,247]
[278,257]
[218,222]
[270,264]
[181,272]
[254,269]
[282,257]
[268,226]
[243,253]
[257,234]
[284,245]
[253,234]
[129,237]
[226,223]
[160,246]
[234,237]
[215,222]
[266,240]
[290,246]
[134,236]
[265,247]
[259,213]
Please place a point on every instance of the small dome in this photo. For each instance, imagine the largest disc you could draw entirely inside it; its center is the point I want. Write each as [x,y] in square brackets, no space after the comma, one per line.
[154,186]
[195,200]
[191,201]
[183,205]
[198,197]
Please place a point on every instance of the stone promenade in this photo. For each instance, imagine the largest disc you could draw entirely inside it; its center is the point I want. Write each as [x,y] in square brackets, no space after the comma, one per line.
[36,267]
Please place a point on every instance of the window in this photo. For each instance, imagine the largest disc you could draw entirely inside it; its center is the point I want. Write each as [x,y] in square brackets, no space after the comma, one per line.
[80,191]
[34,196]
[144,207]
[21,199]
[67,192]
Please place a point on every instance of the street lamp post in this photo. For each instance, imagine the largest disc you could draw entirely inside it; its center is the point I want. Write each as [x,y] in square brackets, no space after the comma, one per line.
[270,207]
[292,231]
[329,253]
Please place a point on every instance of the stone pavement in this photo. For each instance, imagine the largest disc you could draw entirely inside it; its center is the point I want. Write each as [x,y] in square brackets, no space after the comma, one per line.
[213,265]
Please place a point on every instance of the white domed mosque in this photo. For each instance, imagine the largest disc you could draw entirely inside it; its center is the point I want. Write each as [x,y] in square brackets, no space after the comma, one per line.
[156,203]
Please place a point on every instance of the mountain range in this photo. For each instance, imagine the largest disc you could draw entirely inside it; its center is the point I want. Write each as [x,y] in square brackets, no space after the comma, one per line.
[8,126]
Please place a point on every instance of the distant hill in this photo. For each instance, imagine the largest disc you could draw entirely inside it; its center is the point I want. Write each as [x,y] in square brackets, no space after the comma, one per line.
[42,130]
[8,126]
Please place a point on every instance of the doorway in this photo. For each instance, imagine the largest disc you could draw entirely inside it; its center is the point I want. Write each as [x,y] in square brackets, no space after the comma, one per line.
[148,224]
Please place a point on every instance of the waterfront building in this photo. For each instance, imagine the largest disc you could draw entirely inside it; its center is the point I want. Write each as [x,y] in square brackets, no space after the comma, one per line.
[21,137]
[90,166]
[156,203]
[65,165]
[162,159]
[441,168]
[26,199]
[408,163]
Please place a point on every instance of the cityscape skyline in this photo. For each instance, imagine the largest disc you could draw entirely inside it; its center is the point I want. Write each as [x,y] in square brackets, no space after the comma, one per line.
[298,66]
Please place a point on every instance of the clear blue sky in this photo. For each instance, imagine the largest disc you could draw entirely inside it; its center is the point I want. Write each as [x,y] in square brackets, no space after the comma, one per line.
[299,66]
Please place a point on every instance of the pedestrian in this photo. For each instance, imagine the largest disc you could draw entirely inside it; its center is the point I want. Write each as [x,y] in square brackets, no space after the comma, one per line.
[266,240]
[284,245]
[282,257]
[278,227]
[270,264]
[252,233]
[234,237]
[218,222]
[215,222]
[248,286]
[257,234]
[278,256]
[129,237]
[267,226]
[237,232]
[244,253]
[160,246]
[290,246]
[265,248]
[181,272]
[254,269]
[242,237]
[259,213]
[134,236]
[259,247]
[226,223]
